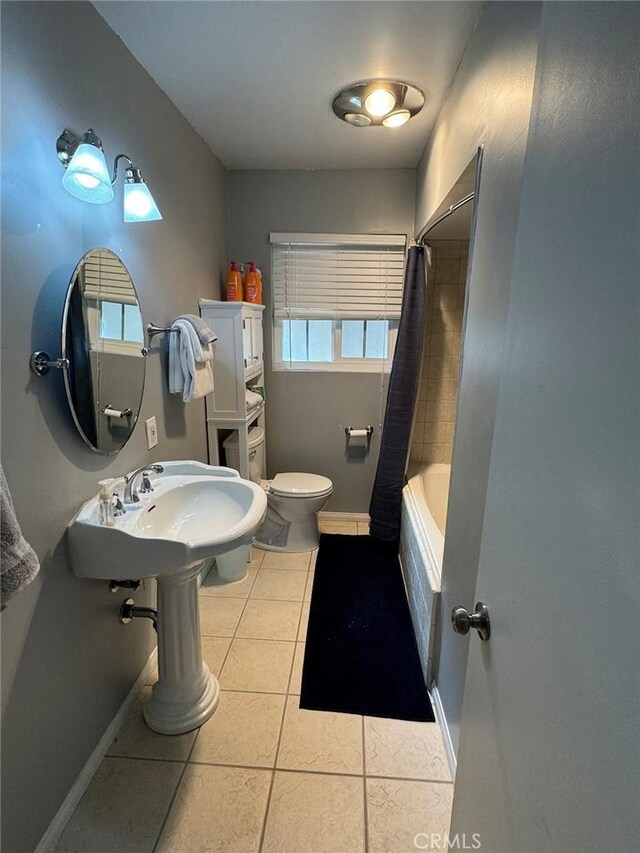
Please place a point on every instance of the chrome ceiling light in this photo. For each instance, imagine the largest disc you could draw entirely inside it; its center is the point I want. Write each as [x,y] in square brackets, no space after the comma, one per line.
[378,103]
[87,176]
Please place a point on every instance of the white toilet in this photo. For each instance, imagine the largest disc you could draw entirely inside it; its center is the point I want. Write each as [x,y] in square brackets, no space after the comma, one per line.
[293,500]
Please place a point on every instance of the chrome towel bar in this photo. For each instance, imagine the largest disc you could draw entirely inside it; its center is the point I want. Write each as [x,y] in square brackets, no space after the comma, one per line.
[153,330]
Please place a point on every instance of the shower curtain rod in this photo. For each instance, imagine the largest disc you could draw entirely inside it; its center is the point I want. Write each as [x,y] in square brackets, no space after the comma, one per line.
[443,216]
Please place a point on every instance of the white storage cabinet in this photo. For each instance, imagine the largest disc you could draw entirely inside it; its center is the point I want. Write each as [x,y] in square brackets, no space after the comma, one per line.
[238,364]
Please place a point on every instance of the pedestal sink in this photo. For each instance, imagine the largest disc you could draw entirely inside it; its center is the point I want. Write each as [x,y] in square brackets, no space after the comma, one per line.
[195,512]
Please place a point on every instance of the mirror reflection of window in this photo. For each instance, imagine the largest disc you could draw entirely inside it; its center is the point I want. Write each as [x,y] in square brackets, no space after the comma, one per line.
[113,315]
[120,322]
[111,320]
[133,324]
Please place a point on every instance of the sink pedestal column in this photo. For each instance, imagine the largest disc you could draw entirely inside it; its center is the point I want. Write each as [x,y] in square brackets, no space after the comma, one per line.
[186,693]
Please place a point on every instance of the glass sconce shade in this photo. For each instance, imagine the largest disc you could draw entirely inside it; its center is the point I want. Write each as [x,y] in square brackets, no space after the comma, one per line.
[139,205]
[87,176]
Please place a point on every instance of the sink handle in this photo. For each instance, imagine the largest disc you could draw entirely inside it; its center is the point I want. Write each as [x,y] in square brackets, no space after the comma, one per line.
[118,508]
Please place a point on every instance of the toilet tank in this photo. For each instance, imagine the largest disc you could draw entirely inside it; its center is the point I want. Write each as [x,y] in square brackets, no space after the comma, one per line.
[256,452]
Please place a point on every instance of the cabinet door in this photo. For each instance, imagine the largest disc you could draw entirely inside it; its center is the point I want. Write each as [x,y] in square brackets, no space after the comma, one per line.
[256,340]
[247,345]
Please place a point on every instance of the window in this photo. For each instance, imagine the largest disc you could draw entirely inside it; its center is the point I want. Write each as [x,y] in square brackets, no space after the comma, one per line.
[336,300]
[120,322]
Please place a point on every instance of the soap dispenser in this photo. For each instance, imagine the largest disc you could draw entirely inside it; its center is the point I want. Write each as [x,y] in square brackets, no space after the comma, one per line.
[107,517]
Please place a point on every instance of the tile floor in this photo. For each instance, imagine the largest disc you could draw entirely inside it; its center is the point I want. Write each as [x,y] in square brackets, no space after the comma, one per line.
[261,774]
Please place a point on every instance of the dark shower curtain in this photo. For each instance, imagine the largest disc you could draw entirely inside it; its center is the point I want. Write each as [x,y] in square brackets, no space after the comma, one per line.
[386,498]
[80,375]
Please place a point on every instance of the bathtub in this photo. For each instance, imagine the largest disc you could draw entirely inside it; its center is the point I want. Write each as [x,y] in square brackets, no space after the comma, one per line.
[424,516]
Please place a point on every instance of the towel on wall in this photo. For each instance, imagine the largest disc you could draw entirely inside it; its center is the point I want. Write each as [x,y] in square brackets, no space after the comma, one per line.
[190,362]
[20,564]
[205,334]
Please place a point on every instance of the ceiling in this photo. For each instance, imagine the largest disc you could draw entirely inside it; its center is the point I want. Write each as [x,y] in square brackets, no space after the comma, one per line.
[256,79]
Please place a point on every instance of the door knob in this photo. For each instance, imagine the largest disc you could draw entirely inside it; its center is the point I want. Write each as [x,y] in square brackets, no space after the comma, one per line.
[462,621]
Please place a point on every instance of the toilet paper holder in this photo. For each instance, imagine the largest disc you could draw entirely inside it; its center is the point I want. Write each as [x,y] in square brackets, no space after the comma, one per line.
[353,432]
[110,412]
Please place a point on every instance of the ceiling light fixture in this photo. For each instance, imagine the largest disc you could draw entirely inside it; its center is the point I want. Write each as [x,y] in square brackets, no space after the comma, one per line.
[397,118]
[378,103]
[87,176]
[359,119]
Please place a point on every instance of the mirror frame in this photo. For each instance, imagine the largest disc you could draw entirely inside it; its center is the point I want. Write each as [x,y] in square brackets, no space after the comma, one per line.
[63,349]
[443,211]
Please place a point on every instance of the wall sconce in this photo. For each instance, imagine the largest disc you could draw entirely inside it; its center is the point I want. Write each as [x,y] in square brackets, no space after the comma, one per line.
[87,176]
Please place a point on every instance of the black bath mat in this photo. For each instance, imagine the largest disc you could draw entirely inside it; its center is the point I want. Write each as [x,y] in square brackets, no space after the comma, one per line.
[361,655]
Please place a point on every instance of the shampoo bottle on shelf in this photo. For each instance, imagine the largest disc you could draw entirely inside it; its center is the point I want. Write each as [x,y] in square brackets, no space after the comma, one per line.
[234,284]
[252,284]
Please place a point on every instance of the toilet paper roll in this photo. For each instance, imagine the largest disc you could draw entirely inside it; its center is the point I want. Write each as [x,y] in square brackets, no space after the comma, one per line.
[116,413]
[358,433]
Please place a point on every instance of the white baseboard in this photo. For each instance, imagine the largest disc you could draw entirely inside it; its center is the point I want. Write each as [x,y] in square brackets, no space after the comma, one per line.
[344,516]
[51,837]
[444,728]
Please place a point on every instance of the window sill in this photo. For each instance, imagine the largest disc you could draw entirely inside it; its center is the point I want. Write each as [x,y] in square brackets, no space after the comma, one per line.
[332,367]
[114,347]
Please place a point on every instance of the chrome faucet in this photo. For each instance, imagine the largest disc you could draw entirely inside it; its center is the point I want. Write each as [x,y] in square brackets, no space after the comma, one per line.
[131,495]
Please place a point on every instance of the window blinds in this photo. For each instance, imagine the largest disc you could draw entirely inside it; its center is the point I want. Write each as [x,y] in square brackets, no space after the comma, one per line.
[337,276]
[105,278]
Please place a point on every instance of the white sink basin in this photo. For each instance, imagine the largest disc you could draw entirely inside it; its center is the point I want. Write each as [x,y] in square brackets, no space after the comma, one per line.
[195,512]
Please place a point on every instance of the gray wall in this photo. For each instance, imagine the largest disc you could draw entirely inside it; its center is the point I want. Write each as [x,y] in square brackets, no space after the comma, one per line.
[305,410]
[489,104]
[67,663]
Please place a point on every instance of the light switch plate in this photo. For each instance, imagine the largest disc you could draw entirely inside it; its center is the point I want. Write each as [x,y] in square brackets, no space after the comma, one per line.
[152,432]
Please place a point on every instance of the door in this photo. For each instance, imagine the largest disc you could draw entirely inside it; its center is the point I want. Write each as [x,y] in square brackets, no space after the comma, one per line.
[256,339]
[549,755]
[247,344]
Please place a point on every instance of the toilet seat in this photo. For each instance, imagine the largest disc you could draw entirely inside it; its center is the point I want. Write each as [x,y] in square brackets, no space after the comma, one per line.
[293,503]
[298,485]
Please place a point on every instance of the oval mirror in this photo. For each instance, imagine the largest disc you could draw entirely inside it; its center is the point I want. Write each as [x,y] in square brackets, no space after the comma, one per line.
[103,338]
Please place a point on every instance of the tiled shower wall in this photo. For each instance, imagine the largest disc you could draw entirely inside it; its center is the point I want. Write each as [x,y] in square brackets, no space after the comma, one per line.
[436,408]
